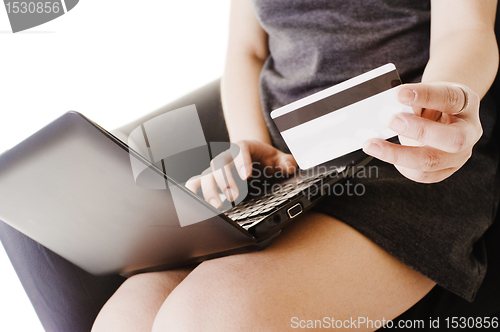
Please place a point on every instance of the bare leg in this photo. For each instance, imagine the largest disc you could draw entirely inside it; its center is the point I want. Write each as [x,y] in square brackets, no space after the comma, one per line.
[319,267]
[135,304]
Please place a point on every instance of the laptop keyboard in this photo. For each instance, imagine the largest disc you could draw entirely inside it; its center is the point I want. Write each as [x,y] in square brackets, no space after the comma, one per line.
[253,210]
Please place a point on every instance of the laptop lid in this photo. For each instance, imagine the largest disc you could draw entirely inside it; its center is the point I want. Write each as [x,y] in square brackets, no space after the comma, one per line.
[71,188]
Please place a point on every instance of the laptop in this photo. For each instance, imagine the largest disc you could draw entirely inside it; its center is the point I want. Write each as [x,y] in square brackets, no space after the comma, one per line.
[108,206]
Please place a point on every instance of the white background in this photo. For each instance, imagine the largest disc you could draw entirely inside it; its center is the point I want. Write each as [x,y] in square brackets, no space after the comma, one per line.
[111,60]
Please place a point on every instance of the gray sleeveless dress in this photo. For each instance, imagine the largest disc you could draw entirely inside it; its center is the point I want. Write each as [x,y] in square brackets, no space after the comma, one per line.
[434,228]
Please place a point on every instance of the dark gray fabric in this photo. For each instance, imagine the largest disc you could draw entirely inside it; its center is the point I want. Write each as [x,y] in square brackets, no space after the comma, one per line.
[442,303]
[315,44]
[436,228]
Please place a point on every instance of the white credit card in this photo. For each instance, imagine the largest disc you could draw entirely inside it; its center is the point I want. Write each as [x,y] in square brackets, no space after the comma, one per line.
[338,120]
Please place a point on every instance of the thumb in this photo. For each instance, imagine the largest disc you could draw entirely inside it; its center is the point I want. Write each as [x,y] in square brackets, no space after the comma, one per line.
[286,162]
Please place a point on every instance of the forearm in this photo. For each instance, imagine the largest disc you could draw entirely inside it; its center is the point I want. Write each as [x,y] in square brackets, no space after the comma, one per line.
[462,51]
[246,53]
[469,58]
[241,100]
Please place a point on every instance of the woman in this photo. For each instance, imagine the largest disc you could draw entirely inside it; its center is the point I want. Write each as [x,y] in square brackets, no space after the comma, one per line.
[372,256]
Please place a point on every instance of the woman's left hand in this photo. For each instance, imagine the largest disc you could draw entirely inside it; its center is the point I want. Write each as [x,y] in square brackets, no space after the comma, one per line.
[435,141]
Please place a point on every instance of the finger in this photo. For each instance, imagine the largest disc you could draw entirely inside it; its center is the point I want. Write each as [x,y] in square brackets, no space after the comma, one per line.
[243,161]
[268,155]
[224,179]
[446,98]
[194,184]
[221,160]
[424,158]
[426,177]
[209,189]
[432,115]
[279,160]
[447,137]
[221,171]
[286,162]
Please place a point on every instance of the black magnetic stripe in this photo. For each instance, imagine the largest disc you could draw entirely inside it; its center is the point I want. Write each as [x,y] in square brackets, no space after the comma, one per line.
[337,101]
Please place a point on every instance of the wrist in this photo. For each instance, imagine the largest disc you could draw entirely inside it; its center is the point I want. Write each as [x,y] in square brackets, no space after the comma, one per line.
[258,138]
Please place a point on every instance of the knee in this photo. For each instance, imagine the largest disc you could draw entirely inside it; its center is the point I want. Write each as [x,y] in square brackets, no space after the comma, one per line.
[219,295]
[163,281]
[142,282]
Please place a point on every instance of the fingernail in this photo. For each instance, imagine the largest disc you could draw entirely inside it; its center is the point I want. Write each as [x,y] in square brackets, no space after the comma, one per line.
[243,172]
[406,96]
[214,203]
[398,125]
[231,194]
[373,149]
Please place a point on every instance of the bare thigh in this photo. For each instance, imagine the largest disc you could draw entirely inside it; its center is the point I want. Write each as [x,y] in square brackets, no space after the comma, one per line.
[135,304]
[319,267]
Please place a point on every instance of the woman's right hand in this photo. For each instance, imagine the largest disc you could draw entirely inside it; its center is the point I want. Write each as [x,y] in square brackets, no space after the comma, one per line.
[253,153]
